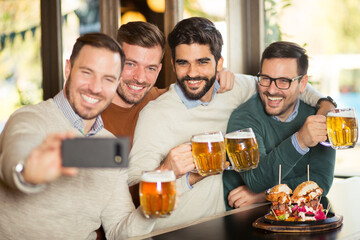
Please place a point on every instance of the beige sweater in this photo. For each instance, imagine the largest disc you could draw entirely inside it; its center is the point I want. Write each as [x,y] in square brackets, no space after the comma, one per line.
[70,207]
[165,123]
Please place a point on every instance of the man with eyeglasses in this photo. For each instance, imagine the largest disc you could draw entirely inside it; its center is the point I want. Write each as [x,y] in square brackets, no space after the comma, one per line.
[287,130]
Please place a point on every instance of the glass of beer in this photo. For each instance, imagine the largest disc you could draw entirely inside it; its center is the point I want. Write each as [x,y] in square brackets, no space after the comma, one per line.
[209,153]
[342,128]
[242,149]
[157,193]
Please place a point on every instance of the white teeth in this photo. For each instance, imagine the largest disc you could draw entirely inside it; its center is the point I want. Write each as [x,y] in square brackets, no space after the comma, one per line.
[135,87]
[89,99]
[194,81]
[274,98]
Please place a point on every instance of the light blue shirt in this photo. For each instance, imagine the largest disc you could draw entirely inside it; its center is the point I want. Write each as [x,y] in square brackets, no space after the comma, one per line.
[75,120]
[294,140]
[194,103]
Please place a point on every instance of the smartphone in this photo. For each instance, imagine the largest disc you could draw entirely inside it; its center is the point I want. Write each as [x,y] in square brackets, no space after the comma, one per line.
[95,152]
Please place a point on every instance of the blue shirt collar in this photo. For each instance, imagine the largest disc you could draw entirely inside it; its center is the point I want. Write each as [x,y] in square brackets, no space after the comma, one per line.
[75,120]
[293,114]
[194,103]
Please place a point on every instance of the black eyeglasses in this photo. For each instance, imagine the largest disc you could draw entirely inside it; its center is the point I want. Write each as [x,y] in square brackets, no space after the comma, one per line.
[282,83]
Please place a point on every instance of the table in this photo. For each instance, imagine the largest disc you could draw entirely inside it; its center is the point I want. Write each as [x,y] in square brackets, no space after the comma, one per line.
[344,197]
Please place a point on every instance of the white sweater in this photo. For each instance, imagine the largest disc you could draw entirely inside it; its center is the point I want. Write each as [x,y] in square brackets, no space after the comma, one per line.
[69,207]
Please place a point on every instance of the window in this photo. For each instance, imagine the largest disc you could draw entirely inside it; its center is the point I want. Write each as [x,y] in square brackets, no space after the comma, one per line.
[214,10]
[20,60]
[79,17]
[330,32]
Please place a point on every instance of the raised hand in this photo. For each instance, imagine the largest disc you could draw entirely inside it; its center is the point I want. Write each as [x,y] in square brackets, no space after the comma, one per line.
[44,164]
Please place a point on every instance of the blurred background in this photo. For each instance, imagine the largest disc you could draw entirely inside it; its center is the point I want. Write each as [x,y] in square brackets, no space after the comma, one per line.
[328,29]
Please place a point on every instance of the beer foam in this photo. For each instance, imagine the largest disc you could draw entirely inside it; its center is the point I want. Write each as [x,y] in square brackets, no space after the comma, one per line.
[348,114]
[158,176]
[239,135]
[208,138]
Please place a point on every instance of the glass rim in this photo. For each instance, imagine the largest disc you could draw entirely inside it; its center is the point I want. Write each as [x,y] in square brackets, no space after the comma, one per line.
[208,137]
[170,174]
[339,110]
[249,129]
[208,133]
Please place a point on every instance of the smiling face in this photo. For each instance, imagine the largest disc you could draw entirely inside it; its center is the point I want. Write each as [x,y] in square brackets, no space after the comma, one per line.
[196,69]
[278,102]
[92,81]
[142,67]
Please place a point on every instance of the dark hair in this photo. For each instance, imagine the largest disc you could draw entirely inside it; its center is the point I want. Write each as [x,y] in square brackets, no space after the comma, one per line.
[282,49]
[98,40]
[196,30]
[142,34]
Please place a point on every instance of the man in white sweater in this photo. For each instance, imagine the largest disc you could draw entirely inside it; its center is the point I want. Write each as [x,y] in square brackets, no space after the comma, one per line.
[189,107]
[39,198]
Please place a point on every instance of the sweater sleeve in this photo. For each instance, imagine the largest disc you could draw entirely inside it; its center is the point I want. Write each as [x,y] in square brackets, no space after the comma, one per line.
[321,162]
[245,87]
[23,132]
[310,96]
[120,219]
[151,142]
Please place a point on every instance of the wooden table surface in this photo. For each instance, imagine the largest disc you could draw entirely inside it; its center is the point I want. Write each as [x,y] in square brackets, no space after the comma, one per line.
[344,198]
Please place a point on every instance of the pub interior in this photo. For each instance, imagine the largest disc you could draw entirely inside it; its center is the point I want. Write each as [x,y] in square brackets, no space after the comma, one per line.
[37,38]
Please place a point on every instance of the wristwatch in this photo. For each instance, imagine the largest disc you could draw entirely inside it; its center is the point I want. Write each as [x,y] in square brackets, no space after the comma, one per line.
[328,98]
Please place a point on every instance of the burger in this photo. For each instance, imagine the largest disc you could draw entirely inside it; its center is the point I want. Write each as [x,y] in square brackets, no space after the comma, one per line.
[279,195]
[306,202]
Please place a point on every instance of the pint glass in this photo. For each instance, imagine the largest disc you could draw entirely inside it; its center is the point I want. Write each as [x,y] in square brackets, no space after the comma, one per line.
[209,153]
[342,128]
[157,193]
[242,149]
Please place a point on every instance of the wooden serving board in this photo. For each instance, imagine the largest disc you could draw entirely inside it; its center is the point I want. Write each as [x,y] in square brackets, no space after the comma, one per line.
[291,227]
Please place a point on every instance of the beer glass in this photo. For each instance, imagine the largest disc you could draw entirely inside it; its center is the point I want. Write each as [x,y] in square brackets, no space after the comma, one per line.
[157,193]
[209,153]
[342,128]
[242,149]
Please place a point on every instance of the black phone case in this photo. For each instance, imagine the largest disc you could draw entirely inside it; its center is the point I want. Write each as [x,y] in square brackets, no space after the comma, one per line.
[95,152]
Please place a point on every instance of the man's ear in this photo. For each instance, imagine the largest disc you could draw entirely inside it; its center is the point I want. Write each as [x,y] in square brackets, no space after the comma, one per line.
[220,64]
[67,69]
[303,82]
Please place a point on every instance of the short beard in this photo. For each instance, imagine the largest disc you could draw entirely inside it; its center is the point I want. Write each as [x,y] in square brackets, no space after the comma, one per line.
[72,102]
[121,94]
[196,96]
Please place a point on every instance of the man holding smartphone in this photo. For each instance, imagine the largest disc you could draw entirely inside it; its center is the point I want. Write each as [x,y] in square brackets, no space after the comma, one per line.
[39,197]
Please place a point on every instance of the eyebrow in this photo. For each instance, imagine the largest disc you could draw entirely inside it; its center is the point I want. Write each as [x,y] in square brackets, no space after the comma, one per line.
[197,60]
[86,68]
[134,61]
[106,75]
[181,60]
[203,59]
